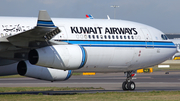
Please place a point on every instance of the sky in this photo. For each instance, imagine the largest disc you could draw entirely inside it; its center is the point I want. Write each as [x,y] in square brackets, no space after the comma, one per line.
[161,14]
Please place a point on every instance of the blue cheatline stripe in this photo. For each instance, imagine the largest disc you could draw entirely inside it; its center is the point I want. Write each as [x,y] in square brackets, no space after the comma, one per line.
[127,46]
[45,23]
[92,43]
[120,42]
[68,75]
[83,57]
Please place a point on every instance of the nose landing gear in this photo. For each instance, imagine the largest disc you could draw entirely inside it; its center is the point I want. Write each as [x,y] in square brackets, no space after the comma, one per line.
[128,84]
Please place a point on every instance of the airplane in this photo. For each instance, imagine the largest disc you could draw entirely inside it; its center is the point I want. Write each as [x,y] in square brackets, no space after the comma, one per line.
[89,16]
[51,49]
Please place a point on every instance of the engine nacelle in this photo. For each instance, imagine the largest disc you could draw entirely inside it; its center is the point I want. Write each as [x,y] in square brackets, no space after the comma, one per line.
[24,68]
[64,57]
[8,69]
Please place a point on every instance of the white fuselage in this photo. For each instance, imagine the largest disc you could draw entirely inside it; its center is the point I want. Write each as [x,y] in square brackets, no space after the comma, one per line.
[110,45]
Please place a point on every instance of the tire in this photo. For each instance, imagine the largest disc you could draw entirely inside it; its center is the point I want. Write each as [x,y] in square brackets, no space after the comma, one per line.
[131,85]
[124,86]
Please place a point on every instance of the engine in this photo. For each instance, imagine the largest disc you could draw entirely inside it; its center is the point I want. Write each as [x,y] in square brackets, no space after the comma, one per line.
[24,68]
[64,57]
[9,69]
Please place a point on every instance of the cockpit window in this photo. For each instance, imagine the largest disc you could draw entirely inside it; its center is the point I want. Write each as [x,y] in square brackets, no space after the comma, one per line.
[164,37]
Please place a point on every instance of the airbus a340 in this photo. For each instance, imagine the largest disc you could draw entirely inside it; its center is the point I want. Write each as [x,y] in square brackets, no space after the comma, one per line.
[51,49]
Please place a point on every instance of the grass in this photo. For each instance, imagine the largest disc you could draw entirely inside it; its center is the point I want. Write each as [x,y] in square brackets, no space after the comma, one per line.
[108,96]
[75,74]
[22,89]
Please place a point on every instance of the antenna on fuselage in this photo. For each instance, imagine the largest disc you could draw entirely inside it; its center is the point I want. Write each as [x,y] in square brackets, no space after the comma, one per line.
[108,17]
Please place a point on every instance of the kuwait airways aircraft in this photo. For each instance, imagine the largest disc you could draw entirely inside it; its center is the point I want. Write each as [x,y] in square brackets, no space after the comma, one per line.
[51,49]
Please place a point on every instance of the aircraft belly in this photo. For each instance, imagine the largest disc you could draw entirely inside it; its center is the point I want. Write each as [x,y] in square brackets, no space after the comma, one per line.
[148,57]
[102,70]
[98,56]
[142,57]
[108,57]
[123,59]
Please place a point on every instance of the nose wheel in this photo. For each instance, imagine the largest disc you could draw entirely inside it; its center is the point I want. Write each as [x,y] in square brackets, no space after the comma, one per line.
[128,84]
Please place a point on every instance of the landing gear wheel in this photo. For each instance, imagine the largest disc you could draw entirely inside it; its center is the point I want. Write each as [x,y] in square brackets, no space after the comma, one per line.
[131,85]
[124,86]
[128,84]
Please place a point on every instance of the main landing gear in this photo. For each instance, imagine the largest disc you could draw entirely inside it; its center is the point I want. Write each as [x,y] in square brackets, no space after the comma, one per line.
[128,84]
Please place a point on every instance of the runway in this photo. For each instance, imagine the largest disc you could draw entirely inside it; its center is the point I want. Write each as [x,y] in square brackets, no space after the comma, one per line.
[156,81]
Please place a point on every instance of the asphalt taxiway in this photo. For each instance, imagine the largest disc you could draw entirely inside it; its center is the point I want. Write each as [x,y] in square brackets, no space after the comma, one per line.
[156,81]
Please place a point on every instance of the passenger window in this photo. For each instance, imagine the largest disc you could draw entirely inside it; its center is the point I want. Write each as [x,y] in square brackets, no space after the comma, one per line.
[128,37]
[81,36]
[105,37]
[85,36]
[101,37]
[97,36]
[117,37]
[120,37]
[89,36]
[132,37]
[77,36]
[93,36]
[109,36]
[113,37]
[124,37]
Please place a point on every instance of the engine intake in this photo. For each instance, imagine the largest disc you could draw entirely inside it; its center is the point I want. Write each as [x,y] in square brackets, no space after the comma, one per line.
[33,56]
[64,57]
[24,68]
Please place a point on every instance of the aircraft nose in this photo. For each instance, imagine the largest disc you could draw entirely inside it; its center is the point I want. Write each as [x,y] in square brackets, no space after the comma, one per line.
[174,48]
[176,43]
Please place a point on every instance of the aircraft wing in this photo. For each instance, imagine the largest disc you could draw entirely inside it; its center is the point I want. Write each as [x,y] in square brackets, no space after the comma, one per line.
[39,35]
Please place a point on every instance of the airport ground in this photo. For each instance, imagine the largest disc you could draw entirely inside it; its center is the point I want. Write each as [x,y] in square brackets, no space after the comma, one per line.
[158,81]
[167,79]
[156,86]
